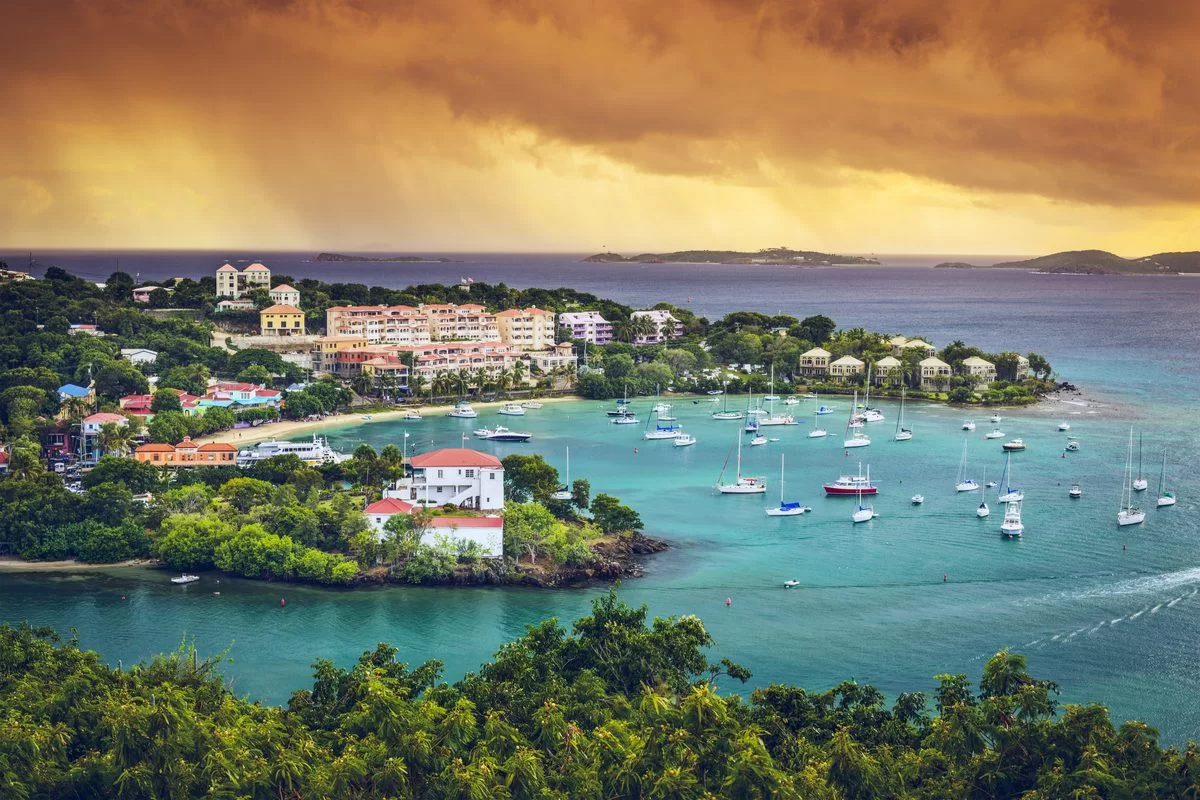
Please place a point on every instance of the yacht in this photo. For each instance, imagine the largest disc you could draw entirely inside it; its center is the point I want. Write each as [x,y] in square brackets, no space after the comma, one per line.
[1012,525]
[725,413]
[1064,426]
[963,483]
[1013,445]
[758,440]
[855,438]
[983,510]
[565,492]
[185,579]
[502,434]
[740,485]
[410,415]
[622,408]
[903,434]
[918,499]
[869,414]
[512,410]
[1140,484]
[661,408]
[1075,492]
[994,433]
[792,401]
[1072,446]
[785,509]
[968,425]
[1129,514]
[625,419]
[863,513]
[315,452]
[462,410]
[1165,498]
[663,432]
[851,484]
[684,440]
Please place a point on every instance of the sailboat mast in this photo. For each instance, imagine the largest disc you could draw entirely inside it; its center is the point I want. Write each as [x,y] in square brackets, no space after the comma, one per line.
[781,479]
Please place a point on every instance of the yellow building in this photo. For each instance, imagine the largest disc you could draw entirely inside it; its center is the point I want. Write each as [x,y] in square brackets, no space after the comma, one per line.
[526,329]
[846,367]
[280,320]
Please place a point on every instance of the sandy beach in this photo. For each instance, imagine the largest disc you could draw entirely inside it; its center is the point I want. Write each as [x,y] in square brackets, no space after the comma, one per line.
[291,428]
[8,564]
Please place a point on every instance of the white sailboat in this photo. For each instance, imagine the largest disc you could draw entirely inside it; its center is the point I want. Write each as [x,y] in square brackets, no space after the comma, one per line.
[1129,514]
[869,414]
[1140,483]
[994,433]
[1007,493]
[1165,498]
[565,492]
[863,513]
[785,509]
[968,425]
[983,510]
[1012,525]
[903,434]
[963,483]
[857,438]
[740,485]
[725,413]
[771,418]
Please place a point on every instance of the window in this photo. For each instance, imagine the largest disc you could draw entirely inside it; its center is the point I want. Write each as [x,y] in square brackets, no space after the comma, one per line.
[439,475]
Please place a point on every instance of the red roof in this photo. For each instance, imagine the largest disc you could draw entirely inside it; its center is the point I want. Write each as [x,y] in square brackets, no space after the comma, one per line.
[455,457]
[227,268]
[283,287]
[217,447]
[104,416]
[281,309]
[267,393]
[3,457]
[466,522]
[156,448]
[389,505]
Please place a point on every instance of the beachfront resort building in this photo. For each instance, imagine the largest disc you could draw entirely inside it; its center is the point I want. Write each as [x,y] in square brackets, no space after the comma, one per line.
[280,320]
[980,370]
[888,371]
[285,295]
[187,454]
[846,368]
[1022,368]
[455,476]
[587,326]
[815,362]
[470,322]
[232,282]
[666,327]
[413,325]
[934,373]
[526,329]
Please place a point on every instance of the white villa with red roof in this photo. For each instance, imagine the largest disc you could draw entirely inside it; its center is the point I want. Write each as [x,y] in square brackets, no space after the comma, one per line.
[486,531]
[232,282]
[453,475]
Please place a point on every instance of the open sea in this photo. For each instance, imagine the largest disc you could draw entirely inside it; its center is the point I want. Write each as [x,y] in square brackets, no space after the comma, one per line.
[1112,615]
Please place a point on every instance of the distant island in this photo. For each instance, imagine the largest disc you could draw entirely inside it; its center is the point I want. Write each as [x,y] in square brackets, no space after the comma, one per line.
[405,259]
[1095,262]
[780,256]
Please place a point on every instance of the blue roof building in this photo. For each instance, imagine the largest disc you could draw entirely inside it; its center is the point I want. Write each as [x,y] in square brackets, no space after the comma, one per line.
[70,390]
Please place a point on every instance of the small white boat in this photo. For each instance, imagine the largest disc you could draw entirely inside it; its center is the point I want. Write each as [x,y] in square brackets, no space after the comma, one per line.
[1073,446]
[1013,445]
[983,510]
[663,432]
[1075,492]
[661,408]
[502,434]
[1140,484]
[716,391]
[565,492]
[462,410]
[758,441]
[990,485]
[1165,498]
[792,401]
[785,509]
[995,419]
[512,410]
[626,419]
[771,398]
[725,413]
[684,440]
[1064,426]
[823,410]
[918,499]
[531,404]
[366,417]
[969,425]
[818,433]
[966,485]
[963,483]
[1012,525]
[863,514]
[185,579]
[667,418]
[857,439]
[792,584]
[994,433]
[903,434]
[740,485]
[1129,514]
[411,416]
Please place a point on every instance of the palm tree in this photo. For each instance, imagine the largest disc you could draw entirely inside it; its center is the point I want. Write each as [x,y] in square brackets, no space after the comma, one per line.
[481,380]
[623,330]
[114,438]
[643,327]
[416,385]
[441,384]
[518,373]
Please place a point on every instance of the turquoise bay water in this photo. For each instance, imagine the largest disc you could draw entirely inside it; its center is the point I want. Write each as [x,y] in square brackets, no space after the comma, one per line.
[1109,614]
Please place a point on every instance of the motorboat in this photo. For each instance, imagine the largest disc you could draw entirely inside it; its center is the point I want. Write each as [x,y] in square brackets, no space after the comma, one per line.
[1140,484]
[995,419]
[785,509]
[625,419]
[1012,525]
[1129,514]
[964,483]
[661,408]
[810,396]
[313,453]
[185,579]
[462,410]
[969,425]
[918,499]
[1072,446]
[823,410]
[503,434]
[716,391]
[990,485]
[534,404]
[771,398]
[1013,445]
[758,440]
[410,416]
[684,440]
[994,433]
[565,492]
[663,432]
[1075,492]
[741,484]
[751,426]
[512,410]
[792,401]
[792,584]
[851,484]
[1064,426]
[1165,498]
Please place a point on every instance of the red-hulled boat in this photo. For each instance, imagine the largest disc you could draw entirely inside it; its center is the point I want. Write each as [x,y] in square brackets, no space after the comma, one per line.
[852,485]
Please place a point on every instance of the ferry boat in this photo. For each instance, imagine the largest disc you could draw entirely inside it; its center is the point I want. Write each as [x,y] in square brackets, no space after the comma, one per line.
[851,485]
[315,452]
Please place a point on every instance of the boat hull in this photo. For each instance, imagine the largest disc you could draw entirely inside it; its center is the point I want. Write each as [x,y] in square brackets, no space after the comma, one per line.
[850,491]
[818,434]
[863,516]
[735,489]
[848,443]
[787,512]
[1163,502]
[903,437]
[1125,518]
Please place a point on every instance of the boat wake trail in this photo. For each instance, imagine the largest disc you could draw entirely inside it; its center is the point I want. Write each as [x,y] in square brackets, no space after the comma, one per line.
[1146,585]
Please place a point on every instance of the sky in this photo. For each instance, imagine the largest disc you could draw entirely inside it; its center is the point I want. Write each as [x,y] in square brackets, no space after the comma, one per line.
[886,126]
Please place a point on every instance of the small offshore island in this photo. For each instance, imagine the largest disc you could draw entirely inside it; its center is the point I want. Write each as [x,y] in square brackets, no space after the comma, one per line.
[1095,262]
[772,256]
[340,257]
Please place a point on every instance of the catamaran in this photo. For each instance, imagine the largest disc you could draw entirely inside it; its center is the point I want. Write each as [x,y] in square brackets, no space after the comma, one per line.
[1140,484]
[903,434]
[857,438]
[1165,498]
[1129,514]
[564,493]
[963,483]
[1012,525]
[785,509]
[1007,493]
[740,485]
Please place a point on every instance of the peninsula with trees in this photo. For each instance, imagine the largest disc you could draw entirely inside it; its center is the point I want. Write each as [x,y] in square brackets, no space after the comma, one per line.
[1095,262]
[340,257]
[773,256]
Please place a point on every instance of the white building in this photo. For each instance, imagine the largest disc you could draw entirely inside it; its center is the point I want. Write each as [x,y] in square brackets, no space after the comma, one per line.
[981,370]
[560,355]
[234,283]
[138,355]
[454,475]
[284,295]
[932,369]
[487,532]
[587,326]
[91,425]
[666,327]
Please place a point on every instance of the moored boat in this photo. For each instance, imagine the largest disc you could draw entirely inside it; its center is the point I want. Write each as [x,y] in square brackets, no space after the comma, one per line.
[847,485]
[1013,445]
[185,579]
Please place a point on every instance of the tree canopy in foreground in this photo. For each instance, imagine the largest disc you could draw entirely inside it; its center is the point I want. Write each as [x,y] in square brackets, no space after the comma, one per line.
[615,707]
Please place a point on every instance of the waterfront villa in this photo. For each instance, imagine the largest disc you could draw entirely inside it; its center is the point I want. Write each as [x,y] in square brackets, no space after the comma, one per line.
[815,362]
[285,295]
[526,329]
[666,327]
[587,326]
[187,454]
[453,475]
[846,367]
[560,355]
[240,304]
[232,283]
[487,532]
[981,370]
[280,320]
[888,370]
[919,346]
[1022,368]
[224,394]
[932,369]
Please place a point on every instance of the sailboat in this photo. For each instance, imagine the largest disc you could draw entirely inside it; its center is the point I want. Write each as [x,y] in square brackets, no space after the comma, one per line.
[1012,525]
[983,509]
[863,513]
[668,431]
[1007,493]
[740,485]
[1129,514]
[903,434]
[725,413]
[785,509]
[963,483]
[771,417]
[857,438]
[565,492]
[1140,483]
[1165,498]
[869,414]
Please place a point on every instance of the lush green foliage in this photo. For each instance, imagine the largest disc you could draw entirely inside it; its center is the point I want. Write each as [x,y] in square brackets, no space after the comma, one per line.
[613,708]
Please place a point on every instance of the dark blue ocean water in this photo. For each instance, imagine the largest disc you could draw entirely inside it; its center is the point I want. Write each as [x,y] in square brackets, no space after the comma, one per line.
[1113,616]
